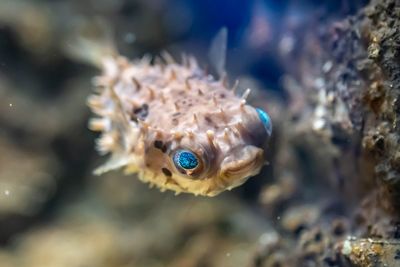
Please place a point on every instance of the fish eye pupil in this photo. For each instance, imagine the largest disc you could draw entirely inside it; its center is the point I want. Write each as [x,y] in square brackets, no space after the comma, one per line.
[265,119]
[186,159]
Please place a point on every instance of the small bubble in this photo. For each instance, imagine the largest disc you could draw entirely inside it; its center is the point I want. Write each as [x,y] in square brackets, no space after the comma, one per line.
[228,254]
[10,104]
[7,193]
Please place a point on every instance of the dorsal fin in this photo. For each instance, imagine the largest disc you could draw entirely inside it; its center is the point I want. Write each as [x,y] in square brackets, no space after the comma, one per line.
[217,52]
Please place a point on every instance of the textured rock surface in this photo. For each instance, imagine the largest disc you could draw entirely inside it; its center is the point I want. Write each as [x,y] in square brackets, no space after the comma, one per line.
[343,123]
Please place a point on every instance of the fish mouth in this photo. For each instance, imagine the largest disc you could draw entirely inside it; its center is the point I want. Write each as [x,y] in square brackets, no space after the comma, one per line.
[242,164]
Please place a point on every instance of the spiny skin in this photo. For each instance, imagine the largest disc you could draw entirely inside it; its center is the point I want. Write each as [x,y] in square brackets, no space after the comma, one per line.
[150,111]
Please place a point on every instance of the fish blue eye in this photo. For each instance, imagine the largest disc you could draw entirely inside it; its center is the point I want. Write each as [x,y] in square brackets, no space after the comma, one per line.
[265,119]
[186,159]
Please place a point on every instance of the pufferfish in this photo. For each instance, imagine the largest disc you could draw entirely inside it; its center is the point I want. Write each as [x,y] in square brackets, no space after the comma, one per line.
[176,126]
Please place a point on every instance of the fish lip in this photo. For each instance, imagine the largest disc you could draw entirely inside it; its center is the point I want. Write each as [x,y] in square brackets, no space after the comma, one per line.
[244,167]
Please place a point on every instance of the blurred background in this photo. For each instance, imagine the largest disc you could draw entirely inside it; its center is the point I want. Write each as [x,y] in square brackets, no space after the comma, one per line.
[53,211]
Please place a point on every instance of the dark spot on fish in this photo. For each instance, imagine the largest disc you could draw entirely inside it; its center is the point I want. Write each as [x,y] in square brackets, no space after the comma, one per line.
[222,95]
[140,112]
[175,121]
[176,114]
[166,172]
[165,147]
[208,119]
[158,144]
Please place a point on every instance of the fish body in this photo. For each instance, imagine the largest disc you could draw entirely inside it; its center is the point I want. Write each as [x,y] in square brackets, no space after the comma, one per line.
[176,126]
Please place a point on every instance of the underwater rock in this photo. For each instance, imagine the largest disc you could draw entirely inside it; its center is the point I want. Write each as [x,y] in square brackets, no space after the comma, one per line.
[342,138]
[297,218]
[371,252]
[358,97]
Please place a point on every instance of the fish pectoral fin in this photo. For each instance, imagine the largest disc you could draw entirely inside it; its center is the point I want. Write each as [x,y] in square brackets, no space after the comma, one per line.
[114,163]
